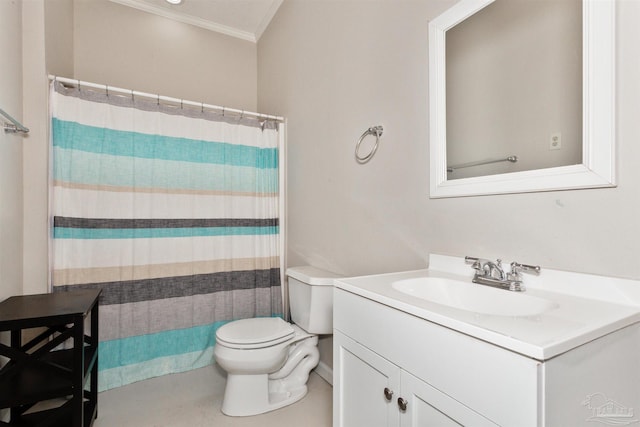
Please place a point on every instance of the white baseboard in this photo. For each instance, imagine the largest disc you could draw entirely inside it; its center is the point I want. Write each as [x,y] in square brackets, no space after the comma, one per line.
[325,372]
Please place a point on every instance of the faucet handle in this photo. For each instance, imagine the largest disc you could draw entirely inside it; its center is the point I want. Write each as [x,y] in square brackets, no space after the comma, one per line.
[470,259]
[516,268]
[476,264]
[482,266]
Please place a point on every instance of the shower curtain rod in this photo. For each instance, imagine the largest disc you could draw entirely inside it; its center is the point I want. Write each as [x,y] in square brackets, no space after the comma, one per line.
[107,88]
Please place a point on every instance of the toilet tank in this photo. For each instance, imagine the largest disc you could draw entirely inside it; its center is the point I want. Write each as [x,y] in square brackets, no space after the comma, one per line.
[311,298]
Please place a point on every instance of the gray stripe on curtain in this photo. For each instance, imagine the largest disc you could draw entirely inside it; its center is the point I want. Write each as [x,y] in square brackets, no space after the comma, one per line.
[128,291]
[69,222]
[149,317]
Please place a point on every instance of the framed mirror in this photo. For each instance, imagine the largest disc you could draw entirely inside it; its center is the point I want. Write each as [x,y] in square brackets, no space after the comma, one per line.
[473,152]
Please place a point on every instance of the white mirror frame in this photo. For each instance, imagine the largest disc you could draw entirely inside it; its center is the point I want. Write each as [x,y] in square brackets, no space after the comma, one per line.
[598,168]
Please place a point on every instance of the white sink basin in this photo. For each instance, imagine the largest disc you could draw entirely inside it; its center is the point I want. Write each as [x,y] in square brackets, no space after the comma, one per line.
[473,297]
[559,310]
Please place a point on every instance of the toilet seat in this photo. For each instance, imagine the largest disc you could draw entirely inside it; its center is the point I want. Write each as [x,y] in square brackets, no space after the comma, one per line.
[254,333]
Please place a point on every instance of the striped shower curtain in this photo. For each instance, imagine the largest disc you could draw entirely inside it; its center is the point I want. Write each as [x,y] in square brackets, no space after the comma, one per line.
[173,213]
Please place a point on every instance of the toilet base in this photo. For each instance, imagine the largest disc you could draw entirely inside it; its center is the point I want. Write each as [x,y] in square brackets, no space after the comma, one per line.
[255,393]
[247,395]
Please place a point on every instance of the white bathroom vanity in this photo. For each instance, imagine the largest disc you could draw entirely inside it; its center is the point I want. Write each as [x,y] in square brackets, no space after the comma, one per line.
[429,347]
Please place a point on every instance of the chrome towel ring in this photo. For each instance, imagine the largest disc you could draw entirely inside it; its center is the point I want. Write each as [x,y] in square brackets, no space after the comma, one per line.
[373,130]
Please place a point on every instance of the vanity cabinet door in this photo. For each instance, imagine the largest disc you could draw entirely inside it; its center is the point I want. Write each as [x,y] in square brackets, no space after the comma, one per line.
[427,406]
[366,387]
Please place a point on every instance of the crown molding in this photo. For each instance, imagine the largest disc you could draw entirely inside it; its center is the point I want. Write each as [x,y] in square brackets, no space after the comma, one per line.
[198,22]
[275,5]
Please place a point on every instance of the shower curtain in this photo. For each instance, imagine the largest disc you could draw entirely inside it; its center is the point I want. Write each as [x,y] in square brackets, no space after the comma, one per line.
[173,213]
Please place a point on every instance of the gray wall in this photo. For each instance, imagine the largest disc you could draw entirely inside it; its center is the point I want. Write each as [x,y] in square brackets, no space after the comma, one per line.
[10,159]
[125,47]
[334,68]
[11,150]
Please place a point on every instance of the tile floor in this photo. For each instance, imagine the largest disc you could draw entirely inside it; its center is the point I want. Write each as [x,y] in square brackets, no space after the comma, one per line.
[193,399]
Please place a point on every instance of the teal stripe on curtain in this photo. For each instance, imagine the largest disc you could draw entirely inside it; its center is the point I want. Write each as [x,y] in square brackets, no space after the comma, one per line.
[134,350]
[170,276]
[75,136]
[76,166]
[144,233]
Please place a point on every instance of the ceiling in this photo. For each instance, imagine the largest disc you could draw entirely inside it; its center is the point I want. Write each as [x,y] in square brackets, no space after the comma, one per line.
[244,19]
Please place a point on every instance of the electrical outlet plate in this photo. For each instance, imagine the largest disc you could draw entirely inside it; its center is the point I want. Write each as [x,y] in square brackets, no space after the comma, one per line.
[555,141]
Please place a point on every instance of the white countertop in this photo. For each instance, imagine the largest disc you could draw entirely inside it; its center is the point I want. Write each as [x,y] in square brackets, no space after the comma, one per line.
[585,307]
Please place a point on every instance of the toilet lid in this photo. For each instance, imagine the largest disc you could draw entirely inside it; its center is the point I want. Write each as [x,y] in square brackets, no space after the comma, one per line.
[257,332]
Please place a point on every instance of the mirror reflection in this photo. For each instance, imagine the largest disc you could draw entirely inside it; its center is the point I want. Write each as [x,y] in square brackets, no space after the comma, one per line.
[514,88]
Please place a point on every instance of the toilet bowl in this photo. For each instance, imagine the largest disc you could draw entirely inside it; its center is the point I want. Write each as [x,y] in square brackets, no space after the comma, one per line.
[268,360]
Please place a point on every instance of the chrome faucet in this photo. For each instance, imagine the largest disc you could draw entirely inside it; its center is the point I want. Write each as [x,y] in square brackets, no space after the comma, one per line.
[492,274]
[494,270]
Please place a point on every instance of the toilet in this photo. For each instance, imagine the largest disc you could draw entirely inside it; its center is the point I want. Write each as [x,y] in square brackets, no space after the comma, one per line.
[268,360]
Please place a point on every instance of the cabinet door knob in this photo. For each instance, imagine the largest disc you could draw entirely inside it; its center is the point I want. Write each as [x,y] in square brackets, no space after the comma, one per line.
[388,394]
[402,404]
